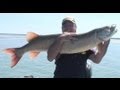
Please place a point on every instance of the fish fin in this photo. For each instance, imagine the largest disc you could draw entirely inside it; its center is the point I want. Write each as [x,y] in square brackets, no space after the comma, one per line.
[15,57]
[33,54]
[31,35]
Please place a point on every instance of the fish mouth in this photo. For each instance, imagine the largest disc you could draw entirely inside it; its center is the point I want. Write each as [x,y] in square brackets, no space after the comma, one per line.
[114,30]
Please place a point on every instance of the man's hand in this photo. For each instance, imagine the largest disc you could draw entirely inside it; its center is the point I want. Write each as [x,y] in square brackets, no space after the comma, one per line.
[67,37]
[103,45]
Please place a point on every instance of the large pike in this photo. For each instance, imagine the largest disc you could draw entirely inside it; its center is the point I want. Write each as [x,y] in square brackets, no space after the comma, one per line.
[37,43]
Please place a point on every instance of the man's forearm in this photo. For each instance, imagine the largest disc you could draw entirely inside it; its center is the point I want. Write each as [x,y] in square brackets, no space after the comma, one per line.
[102,49]
[54,50]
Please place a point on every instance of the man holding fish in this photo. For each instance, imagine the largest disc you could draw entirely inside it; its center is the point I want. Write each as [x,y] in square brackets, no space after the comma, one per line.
[73,65]
[69,50]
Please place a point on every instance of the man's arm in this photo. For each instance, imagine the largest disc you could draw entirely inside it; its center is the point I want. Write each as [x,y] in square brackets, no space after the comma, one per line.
[56,47]
[102,49]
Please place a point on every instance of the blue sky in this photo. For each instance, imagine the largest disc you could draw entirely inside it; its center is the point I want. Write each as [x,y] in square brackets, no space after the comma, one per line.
[50,23]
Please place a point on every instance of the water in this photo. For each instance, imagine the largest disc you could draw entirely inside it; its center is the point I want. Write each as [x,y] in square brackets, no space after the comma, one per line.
[40,67]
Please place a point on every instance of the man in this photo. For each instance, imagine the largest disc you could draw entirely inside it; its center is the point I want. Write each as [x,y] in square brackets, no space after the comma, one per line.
[73,65]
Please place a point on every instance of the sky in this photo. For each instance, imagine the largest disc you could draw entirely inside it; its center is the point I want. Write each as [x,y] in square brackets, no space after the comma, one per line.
[50,23]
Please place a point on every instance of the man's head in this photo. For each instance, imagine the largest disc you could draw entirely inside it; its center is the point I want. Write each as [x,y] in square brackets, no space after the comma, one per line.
[69,25]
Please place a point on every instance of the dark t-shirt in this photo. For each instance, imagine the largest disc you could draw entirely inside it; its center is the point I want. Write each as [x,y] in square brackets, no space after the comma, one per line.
[72,65]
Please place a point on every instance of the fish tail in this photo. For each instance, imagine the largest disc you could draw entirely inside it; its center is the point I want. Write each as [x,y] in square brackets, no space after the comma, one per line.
[15,56]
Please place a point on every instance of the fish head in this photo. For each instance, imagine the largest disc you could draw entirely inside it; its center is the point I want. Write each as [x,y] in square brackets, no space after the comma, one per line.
[105,33]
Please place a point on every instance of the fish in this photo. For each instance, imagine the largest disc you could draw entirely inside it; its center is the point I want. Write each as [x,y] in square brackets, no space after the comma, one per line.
[38,43]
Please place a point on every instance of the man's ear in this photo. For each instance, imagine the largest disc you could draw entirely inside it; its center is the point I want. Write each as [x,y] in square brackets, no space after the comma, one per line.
[62,28]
